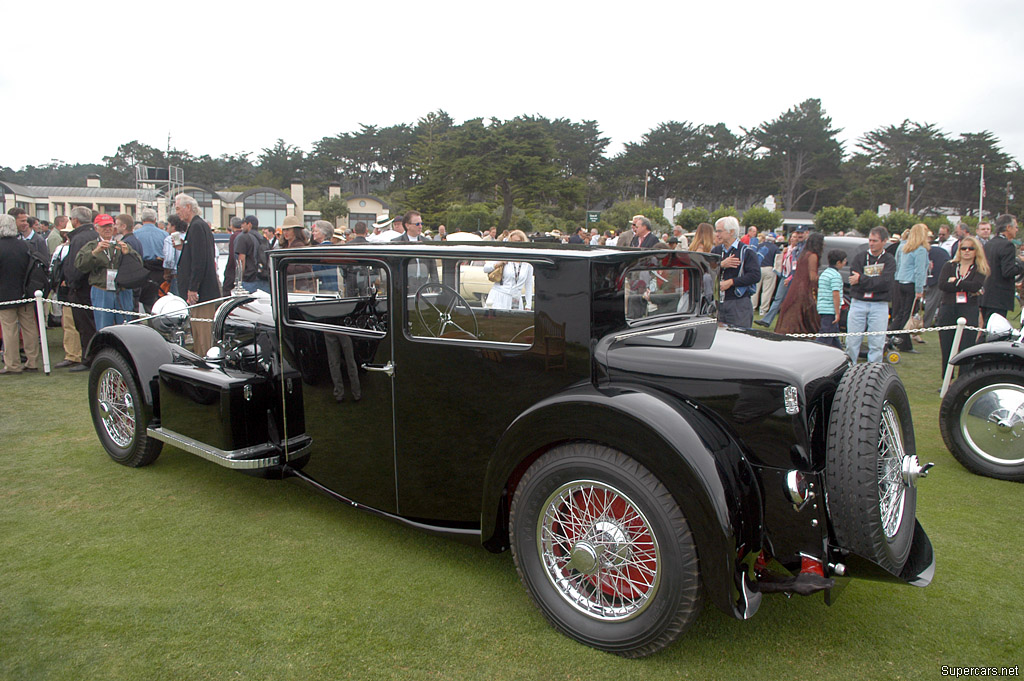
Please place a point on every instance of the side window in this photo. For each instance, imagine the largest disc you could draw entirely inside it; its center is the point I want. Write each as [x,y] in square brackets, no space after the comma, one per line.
[659,286]
[337,292]
[475,300]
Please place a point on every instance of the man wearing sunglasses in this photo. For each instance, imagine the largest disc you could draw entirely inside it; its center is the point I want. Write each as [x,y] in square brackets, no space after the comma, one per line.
[421,271]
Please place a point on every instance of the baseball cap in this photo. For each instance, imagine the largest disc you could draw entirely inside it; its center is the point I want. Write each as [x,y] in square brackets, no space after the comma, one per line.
[103,219]
[800,228]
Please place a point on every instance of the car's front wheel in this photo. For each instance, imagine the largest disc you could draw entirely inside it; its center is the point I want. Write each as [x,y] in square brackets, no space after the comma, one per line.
[116,405]
[982,420]
[604,550]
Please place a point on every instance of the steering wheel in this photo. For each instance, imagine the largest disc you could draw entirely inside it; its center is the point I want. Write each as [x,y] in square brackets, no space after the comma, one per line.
[446,314]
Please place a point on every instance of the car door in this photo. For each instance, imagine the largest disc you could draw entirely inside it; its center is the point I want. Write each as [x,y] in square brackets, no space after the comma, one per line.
[467,365]
[335,331]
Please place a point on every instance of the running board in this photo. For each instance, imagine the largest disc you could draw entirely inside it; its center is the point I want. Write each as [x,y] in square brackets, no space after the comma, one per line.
[247,458]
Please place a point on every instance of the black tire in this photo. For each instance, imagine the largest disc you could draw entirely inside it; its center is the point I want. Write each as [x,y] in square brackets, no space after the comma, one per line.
[870,439]
[628,582]
[982,419]
[115,402]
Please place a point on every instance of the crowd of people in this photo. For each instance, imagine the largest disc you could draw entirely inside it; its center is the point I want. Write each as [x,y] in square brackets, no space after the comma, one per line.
[112,268]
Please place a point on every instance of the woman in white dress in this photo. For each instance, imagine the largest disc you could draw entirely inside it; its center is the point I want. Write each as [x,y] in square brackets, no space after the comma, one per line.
[515,291]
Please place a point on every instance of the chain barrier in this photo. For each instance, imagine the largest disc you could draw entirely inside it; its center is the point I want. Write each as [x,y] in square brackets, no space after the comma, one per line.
[143,316]
[912,332]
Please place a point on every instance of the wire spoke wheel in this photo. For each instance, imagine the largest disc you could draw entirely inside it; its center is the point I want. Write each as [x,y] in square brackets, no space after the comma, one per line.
[598,550]
[604,550]
[117,407]
[891,486]
[119,412]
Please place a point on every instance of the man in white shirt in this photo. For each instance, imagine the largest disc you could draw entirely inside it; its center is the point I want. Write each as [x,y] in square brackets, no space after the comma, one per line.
[396,228]
[946,240]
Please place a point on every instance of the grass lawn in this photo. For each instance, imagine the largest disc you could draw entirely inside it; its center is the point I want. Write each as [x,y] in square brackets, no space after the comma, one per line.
[186,570]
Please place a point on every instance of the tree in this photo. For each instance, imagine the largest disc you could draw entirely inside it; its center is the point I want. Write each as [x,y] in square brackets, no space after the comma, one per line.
[898,221]
[765,220]
[122,164]
[689,218]
[469,217]
[620,214]
[833,219]
[279,164]
[910,153]
[868,220]
[333,208]
[513,160]
[721,212]
[801,147]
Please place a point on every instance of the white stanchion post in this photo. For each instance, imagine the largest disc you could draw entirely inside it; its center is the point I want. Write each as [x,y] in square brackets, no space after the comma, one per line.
[41,320]
[960,324]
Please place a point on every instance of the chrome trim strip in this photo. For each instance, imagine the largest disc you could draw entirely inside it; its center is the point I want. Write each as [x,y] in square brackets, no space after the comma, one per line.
[238,459]
[666,329]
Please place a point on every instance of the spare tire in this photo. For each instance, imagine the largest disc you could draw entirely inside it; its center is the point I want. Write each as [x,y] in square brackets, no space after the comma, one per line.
[871,466]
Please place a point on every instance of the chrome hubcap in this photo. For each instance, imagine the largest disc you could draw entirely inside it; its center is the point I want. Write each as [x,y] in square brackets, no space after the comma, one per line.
[598,550]
[117,409]
[992,423]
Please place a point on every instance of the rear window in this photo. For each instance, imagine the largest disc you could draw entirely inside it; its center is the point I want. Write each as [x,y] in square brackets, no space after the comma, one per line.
[662,285]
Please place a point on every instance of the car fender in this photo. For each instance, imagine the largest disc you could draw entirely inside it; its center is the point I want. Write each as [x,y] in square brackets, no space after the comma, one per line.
[989,352]
[700,465]
[145,350]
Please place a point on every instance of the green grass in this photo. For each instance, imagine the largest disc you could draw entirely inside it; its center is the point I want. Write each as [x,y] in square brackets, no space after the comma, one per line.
[185,570]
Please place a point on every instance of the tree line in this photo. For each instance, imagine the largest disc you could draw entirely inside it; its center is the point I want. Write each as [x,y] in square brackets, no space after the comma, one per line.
[541,173]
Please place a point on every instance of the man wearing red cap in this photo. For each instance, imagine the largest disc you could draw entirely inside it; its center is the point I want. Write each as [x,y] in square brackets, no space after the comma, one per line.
[101,259]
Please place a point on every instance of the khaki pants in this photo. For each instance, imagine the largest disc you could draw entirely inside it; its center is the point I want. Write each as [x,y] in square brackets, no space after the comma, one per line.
[72,341]
[10,319]
[202,332]
[765,288]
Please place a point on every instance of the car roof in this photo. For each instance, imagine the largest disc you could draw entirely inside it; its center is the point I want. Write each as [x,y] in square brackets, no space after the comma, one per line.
[494,251]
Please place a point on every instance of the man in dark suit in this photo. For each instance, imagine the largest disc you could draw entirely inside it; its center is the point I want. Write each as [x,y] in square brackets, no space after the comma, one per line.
[420,271]
[576,238]
[1005,267]
[197,271]
[77,281]
[643,237]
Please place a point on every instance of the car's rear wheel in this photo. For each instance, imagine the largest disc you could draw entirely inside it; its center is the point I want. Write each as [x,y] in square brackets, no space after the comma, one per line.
[115,402]
[982,420]
[871,466]
[604,550]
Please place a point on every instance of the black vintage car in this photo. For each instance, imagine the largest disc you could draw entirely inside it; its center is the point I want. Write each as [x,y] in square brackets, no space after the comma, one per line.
[982,413]
[587,413]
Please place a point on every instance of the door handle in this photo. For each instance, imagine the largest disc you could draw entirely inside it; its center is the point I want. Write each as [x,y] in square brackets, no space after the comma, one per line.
[388,368]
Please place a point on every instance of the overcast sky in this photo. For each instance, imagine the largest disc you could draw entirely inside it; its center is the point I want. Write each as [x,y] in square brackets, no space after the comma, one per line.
[78,79]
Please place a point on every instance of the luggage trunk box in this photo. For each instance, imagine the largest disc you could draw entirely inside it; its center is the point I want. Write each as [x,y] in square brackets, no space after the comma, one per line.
[226,410]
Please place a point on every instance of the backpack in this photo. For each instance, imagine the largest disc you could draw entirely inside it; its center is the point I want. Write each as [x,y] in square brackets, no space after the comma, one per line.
[262,259]
[57,275]
[37,277]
